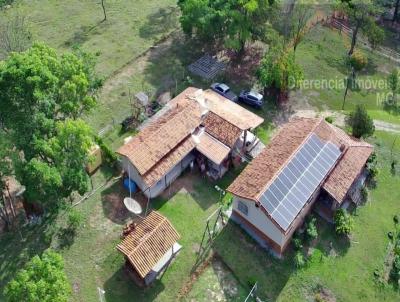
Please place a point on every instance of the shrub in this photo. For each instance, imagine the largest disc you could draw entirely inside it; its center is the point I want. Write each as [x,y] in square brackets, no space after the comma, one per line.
[360,122]
[372,170]
[75,219]
[329,119]
[358,60]
[108,155]
[372,158]
[297,244]
[396,219]
[251,281]
[299,260]
[344,223]
[364,194]
[311,230]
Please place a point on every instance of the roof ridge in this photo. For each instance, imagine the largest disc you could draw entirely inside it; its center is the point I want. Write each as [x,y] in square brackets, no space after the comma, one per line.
[174,117]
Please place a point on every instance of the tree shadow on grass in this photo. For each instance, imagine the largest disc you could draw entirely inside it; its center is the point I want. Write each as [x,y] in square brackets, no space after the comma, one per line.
[232,289]
[160,22]
[120,287]
[84,33]
[249,262]
[331,244]
[169,61]
[15,253]
[66,238]
[112,200]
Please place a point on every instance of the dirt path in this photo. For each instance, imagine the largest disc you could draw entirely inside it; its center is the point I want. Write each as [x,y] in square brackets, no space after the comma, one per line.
[339,119]
[389,127]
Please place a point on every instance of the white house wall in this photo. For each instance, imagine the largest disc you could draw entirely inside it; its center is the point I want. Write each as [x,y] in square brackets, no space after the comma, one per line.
[163,183]
[260,220]
[133,173]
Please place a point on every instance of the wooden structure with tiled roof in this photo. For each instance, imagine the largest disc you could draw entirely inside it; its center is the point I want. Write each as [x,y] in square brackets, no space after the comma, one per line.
[148,243]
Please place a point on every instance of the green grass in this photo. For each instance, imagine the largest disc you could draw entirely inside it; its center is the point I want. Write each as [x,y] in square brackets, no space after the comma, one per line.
[153,73]
[349,274]
[131,27]
[216,283]
[91,260]
[322,55]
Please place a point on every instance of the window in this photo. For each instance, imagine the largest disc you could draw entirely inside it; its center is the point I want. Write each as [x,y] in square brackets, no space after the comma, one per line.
[243,208]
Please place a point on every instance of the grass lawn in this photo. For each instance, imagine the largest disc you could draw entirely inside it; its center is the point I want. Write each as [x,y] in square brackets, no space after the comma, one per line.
[346,270]
[91,259]
[322,55]
[217,283]
[132,26]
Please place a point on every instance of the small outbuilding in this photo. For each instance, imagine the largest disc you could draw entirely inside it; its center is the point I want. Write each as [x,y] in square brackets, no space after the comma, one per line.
[149,248]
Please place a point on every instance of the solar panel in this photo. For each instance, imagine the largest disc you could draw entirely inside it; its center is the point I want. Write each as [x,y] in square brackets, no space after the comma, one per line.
[296,183]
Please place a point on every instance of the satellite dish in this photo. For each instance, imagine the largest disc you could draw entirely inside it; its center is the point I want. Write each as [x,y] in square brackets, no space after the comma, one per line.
[132,205]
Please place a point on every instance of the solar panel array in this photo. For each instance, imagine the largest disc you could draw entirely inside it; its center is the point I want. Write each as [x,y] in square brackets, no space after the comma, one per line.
[295,184]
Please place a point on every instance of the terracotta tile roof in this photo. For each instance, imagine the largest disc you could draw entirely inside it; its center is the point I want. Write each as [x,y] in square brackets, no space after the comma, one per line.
[231,112]
[148,242]
[258,174]
[349,167]
[158,139]
[161,144]
[221,129]
[265,167]
[169,161]
[212,149]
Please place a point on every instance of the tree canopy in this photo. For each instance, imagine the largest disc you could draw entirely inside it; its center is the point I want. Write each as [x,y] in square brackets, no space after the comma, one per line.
[360,122]
[394,83]
[299,18]
[42,280]
[42,96]
[344,223]
[279,70]
[361,14]
[234,22]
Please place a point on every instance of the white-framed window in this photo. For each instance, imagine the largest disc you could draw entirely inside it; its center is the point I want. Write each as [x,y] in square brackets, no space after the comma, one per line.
[243,208]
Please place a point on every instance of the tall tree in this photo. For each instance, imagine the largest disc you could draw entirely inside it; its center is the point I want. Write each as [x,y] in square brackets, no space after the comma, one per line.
[42,96]
[394,83]
[360,122]
[299,20]
[278,70]
[361,14]
[43,279]
[234,22]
